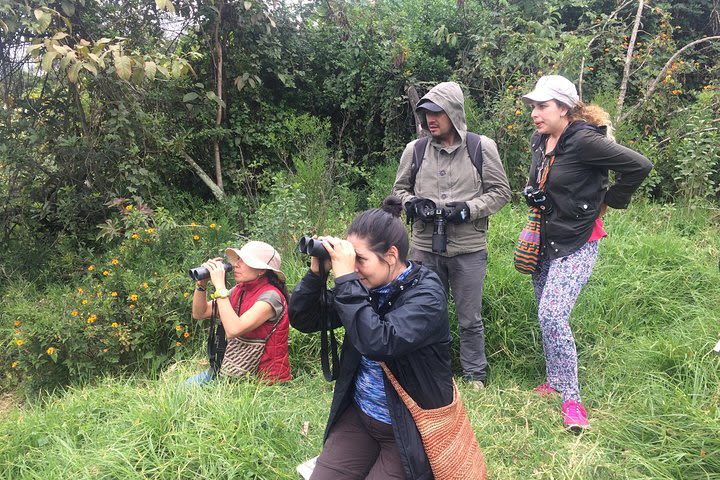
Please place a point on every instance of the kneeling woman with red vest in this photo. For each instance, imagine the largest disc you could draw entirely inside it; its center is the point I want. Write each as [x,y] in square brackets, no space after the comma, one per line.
[253,312]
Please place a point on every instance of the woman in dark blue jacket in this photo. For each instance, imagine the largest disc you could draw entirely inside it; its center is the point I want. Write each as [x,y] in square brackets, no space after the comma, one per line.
[393,311]
[571,157]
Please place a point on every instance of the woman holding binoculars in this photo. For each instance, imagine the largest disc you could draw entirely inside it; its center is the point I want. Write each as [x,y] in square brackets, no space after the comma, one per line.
[568,184]
[395,312]
[251,318]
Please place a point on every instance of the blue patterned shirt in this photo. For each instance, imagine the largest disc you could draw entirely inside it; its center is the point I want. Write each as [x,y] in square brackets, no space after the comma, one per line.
[369,392]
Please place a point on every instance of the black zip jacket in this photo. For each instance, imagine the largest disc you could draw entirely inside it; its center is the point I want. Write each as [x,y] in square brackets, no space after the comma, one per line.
[410,333]
[577,184]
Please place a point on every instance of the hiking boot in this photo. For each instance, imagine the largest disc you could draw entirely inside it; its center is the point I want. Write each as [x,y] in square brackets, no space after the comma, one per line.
[545,390]
[476,385]
[574,416]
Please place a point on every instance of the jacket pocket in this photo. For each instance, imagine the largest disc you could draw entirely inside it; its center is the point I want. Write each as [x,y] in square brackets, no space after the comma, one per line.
[582,210]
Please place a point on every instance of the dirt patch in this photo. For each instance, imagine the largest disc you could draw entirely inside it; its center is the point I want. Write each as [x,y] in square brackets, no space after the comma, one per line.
[8,402]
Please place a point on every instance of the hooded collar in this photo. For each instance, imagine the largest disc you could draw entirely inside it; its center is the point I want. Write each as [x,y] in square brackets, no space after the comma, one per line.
[449,96]
[569,131]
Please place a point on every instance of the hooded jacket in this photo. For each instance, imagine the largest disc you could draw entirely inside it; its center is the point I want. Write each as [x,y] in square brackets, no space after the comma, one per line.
[577,184]
[410,333]
[447,175]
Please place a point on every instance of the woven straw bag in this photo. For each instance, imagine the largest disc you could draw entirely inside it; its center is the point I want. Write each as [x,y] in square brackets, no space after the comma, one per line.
[242,356]
[448,437]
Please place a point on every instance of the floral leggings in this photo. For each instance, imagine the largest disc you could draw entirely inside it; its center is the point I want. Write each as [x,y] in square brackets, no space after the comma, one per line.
[557,285]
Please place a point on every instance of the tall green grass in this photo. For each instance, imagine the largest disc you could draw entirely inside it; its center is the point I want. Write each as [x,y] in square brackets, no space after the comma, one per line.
[644,326]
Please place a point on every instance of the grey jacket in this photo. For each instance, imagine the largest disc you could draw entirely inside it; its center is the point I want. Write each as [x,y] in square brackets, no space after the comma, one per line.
[448,175]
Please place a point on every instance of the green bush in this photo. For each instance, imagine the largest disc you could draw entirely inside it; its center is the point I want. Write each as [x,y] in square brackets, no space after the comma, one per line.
[125,310]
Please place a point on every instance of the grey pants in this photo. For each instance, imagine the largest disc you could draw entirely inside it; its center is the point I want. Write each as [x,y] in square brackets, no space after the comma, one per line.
[464,276]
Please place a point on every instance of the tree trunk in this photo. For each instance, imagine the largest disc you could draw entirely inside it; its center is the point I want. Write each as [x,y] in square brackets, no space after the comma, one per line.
[628,60]
[219,93]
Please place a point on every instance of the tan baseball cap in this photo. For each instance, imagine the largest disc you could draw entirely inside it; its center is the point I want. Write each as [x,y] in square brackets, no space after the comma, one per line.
[258,255]
[553,87]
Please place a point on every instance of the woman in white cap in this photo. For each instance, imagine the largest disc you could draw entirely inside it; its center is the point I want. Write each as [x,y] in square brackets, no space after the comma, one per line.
[568,183]
[254,309]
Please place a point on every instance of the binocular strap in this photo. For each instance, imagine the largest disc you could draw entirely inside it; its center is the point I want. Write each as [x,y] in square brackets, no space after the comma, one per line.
[328,346]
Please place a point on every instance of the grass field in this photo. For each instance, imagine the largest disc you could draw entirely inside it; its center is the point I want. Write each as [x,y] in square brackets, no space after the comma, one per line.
[644,325]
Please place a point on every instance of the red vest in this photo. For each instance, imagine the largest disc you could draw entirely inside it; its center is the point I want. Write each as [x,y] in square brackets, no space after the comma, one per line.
[275,362]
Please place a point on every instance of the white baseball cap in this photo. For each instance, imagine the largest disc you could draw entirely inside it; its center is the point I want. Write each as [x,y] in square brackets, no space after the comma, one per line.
[553,87]
[258,255]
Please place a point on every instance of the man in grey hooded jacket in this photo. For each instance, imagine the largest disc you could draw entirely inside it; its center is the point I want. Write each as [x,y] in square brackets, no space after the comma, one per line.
[448,177]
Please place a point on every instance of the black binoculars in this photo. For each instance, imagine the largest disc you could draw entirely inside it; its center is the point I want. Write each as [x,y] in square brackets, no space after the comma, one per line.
[201,273]
[313,247]
[534,197]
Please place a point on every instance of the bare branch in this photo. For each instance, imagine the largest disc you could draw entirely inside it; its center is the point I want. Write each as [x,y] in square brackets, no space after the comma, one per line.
[219,194]
[628,59]
[661,75]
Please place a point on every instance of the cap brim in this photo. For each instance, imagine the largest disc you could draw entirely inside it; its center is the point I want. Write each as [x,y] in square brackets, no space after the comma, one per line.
[430,106]
[537,96]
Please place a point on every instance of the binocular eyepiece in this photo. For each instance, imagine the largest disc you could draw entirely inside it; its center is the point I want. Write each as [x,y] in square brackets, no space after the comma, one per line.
[201,273]
[313,247]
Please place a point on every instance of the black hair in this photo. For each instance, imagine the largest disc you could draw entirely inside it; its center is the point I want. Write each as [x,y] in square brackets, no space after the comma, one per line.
[382,228]
[277,283]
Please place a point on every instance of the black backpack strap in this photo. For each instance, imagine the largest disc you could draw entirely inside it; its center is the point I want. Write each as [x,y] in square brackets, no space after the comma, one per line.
[418,156]
[217,343]
[474,146]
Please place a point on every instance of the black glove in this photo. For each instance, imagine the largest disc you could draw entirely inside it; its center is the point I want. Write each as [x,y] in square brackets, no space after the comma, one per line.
[459,212]
[420,208]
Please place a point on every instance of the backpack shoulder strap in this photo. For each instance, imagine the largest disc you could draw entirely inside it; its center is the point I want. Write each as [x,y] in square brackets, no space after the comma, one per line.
[474,146]
[418,156]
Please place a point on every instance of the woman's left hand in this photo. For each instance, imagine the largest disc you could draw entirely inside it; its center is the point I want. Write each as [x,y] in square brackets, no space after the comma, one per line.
[342,255]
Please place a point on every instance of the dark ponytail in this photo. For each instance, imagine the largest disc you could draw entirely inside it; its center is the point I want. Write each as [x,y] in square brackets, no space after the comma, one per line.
[382,228]
[277,283]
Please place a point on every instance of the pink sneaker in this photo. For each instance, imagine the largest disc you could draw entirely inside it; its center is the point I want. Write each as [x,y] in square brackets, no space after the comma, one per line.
[574,416]
[544,390]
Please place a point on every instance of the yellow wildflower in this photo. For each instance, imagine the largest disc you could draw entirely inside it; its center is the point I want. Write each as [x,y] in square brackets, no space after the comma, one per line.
[91,268]
[145,285]
[186,334]
[84,302]
[51,350]
[134,236]
[114,324]
[115,261]
[196,237]
[19,342]
[131,306]
[91,319]
[178,327]
[14,365]
[81,291]
[178,344]
[133,297]
[74,313]
[186,294]
[150,230]
[212,225]
[17,323]
[113,294]
[106,273]
[128,207]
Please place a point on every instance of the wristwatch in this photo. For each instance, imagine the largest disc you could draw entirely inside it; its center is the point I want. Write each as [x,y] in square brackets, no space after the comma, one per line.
[222,293]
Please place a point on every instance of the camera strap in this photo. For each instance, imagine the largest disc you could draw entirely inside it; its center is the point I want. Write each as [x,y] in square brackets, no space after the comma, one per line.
[217,342]
[328,342]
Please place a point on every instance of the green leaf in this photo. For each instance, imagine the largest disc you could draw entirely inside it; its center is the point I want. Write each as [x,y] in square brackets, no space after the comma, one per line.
[123,67]
[189,97]
[47,61]
[73,72]
[68,8]
[90,68]
[150,70]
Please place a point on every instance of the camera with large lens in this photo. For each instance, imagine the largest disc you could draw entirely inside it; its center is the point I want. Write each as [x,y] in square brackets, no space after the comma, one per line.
[313,247]
[534,197]
[439,235]
[201,273]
